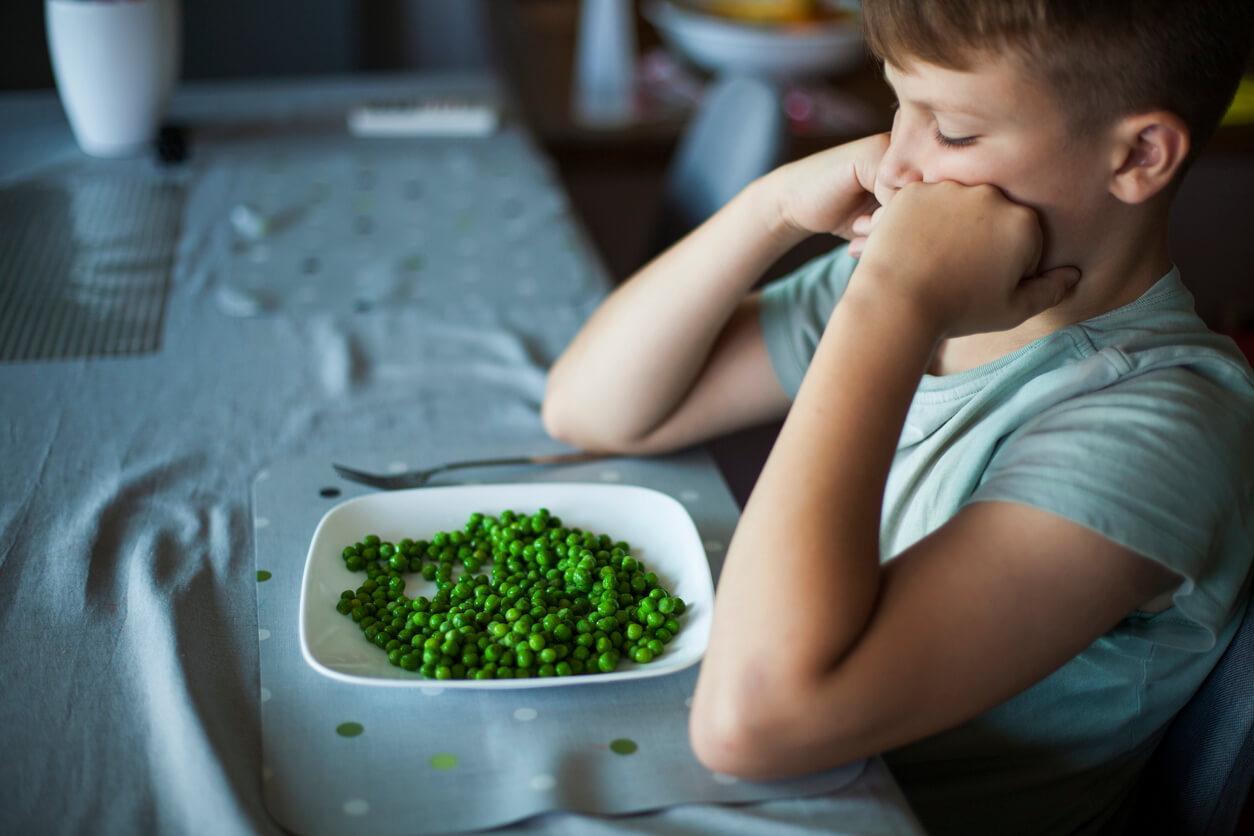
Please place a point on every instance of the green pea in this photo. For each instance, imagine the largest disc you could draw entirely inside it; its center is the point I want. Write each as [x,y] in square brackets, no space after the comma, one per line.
[550,601]
[607,661]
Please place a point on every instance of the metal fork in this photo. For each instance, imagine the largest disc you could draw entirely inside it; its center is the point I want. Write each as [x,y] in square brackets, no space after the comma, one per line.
[419,478]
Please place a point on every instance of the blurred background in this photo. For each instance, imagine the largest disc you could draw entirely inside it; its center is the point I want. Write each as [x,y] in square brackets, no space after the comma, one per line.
[620,175]
[244,38]
[616,174]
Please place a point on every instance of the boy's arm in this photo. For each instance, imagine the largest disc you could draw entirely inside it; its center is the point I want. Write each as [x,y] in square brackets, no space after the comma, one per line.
[818,654]
[675,355]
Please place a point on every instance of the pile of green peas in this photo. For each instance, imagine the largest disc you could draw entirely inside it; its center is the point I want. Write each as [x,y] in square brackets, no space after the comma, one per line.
[534,598]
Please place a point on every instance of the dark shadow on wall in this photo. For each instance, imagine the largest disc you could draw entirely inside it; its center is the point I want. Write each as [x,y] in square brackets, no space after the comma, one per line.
[243,38]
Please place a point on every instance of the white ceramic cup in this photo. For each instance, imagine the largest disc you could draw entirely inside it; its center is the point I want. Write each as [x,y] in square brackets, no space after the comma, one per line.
[116,63]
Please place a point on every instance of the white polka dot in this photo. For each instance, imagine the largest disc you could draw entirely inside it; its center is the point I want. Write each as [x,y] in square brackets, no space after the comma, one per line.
[689,496]
[397,467]
[356,807]
[432,692]
[525,715]
[610,476]
[543,783]
[265,695]
[263,634]
[263,476]
[726,780]
[266,773]
[688,702]
[261,522]
[713,546]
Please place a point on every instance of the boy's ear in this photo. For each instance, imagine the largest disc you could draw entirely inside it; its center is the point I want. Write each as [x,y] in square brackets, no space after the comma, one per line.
[1150,148]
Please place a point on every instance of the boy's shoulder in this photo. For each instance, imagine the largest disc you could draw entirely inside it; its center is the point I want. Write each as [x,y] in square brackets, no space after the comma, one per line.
[1162,329]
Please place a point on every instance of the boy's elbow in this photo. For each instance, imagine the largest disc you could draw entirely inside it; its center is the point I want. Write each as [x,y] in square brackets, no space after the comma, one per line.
[567,419]
[553,417]
[742,737]
[563,422]
[766,736]
[725,746]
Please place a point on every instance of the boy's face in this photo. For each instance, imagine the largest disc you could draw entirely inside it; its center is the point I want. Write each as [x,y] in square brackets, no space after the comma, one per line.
[993,125]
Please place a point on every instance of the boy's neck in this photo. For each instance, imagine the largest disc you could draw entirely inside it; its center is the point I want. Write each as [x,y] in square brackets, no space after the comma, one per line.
[1116,275]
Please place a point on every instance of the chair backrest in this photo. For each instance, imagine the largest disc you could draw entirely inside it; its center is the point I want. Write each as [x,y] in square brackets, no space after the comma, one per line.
[1201,774]
[737,134]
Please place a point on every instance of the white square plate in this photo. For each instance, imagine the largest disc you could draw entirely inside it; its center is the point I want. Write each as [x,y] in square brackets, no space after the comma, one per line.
[658,528]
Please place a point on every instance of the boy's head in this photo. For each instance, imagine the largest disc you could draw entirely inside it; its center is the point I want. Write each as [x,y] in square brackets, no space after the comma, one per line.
[1103,60]
[1086,111]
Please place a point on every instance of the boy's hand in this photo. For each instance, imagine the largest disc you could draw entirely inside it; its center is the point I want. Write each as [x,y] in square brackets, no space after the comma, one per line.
[827,191]
[965,257]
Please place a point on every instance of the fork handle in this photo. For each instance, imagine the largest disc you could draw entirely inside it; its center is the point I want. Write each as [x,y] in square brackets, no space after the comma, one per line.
[550,458]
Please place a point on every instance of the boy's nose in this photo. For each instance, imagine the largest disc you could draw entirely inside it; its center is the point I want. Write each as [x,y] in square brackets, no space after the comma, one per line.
[897,167]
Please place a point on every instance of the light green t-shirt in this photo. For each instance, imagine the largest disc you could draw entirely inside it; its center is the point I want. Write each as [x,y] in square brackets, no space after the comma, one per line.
[1138,423]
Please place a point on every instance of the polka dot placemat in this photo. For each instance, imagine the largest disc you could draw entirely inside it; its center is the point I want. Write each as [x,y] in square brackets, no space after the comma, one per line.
[336,224]
[339,757]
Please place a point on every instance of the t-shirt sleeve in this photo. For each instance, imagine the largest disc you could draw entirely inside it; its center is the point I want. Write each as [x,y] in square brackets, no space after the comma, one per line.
[1161,463]
[795,309]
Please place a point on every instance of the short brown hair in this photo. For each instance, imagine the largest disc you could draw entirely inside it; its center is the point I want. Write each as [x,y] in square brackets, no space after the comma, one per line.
[1104,60]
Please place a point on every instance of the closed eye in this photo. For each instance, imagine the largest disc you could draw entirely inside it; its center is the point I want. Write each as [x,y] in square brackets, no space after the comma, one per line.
[952,142]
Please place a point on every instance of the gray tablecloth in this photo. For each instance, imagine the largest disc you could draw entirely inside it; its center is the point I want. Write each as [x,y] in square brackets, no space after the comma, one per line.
[132,689]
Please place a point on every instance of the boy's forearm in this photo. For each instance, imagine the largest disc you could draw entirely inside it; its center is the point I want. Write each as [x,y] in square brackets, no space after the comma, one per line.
[638,355]
[802,573]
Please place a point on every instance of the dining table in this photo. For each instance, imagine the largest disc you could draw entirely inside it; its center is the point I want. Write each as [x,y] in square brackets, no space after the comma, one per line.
[188,340]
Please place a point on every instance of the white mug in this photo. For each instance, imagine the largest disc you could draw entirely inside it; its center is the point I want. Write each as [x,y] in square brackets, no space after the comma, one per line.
[116,64]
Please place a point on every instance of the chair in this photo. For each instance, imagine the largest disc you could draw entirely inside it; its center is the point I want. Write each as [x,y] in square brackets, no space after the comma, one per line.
[1198,779]
[737,134]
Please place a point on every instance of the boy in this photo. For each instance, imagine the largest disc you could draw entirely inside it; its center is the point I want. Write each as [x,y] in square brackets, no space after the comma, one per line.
[1005,530]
